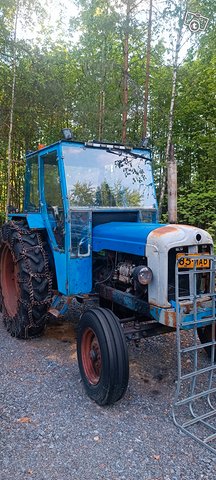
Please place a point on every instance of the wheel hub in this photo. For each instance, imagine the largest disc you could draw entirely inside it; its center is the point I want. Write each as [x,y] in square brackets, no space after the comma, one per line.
[91,356]
[9,281]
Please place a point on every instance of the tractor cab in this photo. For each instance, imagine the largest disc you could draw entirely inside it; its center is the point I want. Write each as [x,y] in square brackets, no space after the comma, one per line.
[72,187]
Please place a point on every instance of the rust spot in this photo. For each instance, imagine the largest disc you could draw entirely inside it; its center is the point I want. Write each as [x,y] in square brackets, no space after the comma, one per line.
[188,305]
[188,308]
[164,230]
[169,318]
[188,226]
[166,316]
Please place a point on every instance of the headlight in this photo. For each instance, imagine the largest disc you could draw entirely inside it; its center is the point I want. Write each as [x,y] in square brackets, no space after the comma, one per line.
[143,275]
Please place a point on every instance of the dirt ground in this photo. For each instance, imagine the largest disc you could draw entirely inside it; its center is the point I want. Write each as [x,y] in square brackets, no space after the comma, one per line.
[50,429]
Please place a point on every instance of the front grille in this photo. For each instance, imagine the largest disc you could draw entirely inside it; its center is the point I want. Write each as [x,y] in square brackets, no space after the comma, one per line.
[202,278]
[183,280]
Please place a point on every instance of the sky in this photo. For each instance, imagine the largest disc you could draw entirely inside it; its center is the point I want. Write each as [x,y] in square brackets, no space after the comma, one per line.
[54,9]
[66,9]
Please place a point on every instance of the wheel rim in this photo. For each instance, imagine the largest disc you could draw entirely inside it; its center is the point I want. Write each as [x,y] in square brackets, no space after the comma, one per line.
[9,282]
[91,356]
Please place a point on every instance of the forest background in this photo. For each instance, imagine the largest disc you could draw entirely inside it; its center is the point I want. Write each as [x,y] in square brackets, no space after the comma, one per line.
[71,73]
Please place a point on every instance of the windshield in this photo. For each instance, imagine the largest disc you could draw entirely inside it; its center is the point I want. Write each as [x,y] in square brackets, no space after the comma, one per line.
[107,178]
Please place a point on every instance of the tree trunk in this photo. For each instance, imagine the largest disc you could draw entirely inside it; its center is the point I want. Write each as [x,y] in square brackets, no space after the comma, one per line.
[101,115]
[14,61]
[102,94]
[172,187]
[125,79]
[148,57]
[171,116]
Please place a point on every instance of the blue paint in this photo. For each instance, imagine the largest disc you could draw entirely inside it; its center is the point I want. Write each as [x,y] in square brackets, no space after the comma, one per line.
[123,236]
[203,315]
[125,299]
[56,301]
[80,275]
[19,216]
[74,274]
[58,256]
[60,260]
[35,220]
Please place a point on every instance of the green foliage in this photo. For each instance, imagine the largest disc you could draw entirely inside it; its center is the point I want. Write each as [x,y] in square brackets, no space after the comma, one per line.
[197,205]
[82,194]
[65,83]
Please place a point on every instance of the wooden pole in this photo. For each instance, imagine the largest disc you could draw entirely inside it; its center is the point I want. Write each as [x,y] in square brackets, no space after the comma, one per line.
[171,115]
[172,186]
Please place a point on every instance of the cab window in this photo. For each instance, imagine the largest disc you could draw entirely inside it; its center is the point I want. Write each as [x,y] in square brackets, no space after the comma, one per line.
[32,185]
[53,197]
[52,185]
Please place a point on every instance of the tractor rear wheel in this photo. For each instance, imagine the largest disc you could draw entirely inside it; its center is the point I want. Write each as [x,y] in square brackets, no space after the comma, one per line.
[25,280]
[102,356]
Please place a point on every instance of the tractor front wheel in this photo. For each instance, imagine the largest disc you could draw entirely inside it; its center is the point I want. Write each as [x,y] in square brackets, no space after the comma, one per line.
[102,356]
[25,280]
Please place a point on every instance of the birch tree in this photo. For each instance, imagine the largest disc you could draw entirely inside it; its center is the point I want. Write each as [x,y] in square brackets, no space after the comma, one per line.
[131,7]
[178,11]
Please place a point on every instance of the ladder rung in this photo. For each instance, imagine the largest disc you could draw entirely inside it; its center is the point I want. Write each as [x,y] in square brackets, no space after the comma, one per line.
[210,438]
[198,419]
[192,298]
[193,323]
[207,270]
[189,295]
[194,397]
[198,346]
[198,372]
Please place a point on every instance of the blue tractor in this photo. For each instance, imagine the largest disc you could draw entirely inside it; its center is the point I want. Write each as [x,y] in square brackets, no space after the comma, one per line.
[89,234]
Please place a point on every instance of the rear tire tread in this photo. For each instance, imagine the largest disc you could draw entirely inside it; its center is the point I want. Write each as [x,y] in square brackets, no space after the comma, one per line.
[34,279]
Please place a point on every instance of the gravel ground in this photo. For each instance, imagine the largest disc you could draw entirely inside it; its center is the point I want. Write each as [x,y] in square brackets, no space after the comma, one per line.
[50,430]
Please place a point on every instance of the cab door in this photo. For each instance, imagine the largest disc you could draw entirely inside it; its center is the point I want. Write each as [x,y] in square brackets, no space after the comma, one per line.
[53,211]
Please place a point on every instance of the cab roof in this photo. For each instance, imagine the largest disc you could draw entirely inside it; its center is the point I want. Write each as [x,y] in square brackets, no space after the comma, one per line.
[92,144]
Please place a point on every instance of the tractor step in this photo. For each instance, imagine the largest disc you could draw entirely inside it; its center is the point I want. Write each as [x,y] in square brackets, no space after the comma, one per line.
[55,312]
[60,303]
[194,408]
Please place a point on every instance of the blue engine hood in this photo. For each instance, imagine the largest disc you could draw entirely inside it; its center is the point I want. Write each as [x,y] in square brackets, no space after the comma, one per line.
[123,236]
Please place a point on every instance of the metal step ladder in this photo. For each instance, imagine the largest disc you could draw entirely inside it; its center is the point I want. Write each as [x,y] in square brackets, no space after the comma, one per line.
[194,408]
